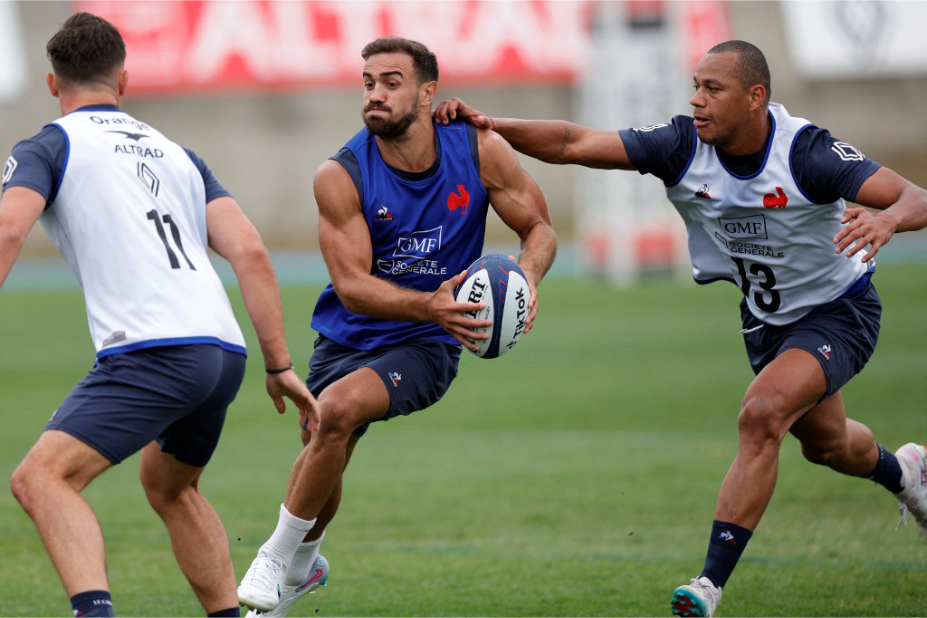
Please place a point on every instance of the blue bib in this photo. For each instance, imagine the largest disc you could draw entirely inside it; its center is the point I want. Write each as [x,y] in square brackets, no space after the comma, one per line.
[424,229]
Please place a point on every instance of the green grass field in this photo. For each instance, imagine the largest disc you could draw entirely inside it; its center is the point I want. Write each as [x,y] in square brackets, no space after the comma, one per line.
[575,476]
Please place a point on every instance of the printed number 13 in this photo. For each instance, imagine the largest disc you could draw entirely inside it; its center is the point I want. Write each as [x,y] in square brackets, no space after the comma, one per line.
[766,285]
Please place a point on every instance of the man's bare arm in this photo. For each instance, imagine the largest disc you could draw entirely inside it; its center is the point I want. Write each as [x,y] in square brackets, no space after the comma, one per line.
[551,141]
[20,208]
[903,207]
[234,238]
[518,200]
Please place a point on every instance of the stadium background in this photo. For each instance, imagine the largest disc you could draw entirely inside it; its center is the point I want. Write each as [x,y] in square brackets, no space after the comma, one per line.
[264,131]
[577,475]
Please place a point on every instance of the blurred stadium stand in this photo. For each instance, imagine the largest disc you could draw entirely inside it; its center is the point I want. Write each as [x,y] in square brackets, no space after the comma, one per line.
[269,111]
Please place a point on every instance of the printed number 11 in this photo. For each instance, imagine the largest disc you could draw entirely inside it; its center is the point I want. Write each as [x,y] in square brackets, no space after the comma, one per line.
[154,215]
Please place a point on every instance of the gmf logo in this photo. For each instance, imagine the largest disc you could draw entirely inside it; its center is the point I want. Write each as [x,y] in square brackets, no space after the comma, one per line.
[419,244]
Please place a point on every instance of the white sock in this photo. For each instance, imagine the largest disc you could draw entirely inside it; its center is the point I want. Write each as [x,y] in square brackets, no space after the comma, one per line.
[302,562]
[283,543]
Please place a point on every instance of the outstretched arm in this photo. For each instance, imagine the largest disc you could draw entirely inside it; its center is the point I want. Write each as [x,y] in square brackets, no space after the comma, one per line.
[551,141]
[518,200]
[345,242]
[20,208]
[233,237]
[902,206]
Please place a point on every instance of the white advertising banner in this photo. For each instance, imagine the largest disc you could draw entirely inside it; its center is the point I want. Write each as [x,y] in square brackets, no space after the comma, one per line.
[856,39]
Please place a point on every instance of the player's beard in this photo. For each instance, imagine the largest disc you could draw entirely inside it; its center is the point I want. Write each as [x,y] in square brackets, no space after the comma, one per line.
[390,129]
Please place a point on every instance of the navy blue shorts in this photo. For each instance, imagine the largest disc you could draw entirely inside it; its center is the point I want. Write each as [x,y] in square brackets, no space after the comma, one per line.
[176,395]
[842,335]
[416,373]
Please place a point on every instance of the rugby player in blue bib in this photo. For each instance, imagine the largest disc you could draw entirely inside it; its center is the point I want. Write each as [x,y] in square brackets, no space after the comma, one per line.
[762,194]
[133,213]
[402,214]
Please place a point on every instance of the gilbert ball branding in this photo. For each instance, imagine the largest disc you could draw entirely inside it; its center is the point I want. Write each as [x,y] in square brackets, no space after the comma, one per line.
[500,284]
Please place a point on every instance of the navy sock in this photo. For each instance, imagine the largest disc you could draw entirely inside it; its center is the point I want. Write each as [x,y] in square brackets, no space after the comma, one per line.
[887,471]
[92,603]
[232,611]
[727,542]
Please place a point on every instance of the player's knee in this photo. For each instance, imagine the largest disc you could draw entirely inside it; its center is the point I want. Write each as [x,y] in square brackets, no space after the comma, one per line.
[824,453]
[163,498]
[760,420]
[162,492]
[24,484]
[157,497]
[337,418]
[19,489]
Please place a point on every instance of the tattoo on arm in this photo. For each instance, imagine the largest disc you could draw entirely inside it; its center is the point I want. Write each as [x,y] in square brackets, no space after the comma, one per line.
[563,143]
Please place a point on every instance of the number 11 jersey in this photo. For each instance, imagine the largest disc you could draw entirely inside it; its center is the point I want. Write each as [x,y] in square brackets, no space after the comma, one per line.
[127,210]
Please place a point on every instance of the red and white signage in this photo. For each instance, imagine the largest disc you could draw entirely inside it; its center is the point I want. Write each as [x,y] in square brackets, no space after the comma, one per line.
[277,44]
[705,23]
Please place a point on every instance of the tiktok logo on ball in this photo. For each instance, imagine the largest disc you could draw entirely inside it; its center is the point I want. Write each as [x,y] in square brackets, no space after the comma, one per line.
[8,169]
[522,307]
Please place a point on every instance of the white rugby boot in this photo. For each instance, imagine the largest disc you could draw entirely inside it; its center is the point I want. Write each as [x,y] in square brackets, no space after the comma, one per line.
[700,598]
[318,576]
[262,585]
[913,498]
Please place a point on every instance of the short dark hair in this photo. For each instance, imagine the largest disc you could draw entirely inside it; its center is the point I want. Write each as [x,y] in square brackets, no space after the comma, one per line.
[751,66]
[87,49]
[424,61]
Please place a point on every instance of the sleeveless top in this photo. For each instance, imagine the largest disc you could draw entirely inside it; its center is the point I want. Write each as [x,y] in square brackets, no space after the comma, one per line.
[424,229]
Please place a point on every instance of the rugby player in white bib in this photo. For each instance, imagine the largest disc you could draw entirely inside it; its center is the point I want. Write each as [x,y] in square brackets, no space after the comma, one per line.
[133,213]
[763,197]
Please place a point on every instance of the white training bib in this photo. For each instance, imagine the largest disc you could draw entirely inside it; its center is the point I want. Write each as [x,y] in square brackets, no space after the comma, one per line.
[762,232]
[130,219]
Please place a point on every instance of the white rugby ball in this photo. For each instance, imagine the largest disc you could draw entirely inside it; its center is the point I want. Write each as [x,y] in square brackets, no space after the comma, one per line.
[500,284]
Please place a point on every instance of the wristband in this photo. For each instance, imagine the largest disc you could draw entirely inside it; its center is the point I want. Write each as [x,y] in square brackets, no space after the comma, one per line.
[276,371]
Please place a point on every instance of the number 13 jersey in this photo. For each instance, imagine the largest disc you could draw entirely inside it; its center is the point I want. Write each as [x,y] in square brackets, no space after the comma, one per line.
[762,231]
[129,216]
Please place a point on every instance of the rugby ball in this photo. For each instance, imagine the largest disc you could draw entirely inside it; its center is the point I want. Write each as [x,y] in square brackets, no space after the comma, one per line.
[500,284]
